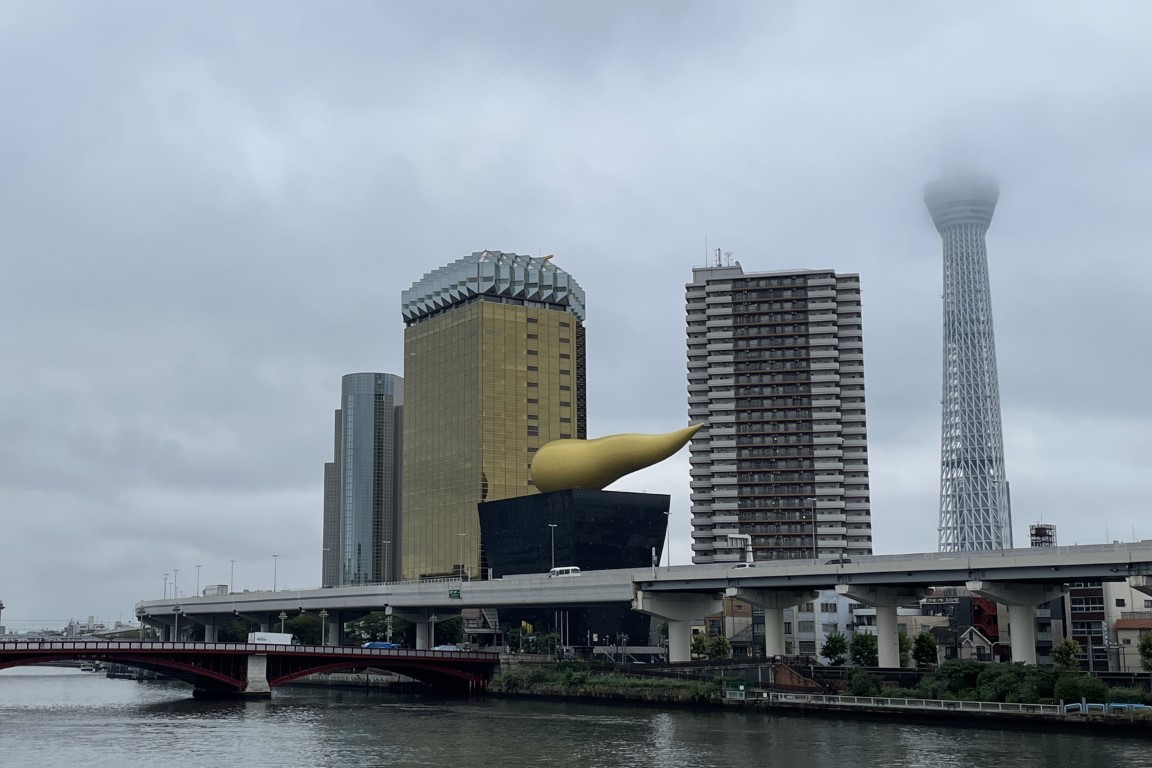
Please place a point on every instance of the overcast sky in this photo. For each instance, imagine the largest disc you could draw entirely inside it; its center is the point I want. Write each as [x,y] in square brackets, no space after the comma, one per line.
[208,212]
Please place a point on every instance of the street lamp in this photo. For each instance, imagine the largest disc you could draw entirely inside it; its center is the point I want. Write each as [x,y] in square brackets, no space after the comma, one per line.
[175,592]
[323,626]
[283,616]
[231,575]
[165,586]
[552,526]
[198,581]
[275,564]
[387,546]
[668,539]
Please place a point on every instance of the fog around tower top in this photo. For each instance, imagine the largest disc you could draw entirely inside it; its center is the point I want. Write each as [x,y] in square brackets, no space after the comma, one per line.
[209,212]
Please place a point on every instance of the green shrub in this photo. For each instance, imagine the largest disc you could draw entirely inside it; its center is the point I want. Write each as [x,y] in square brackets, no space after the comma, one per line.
[1072,687]
[1126,695]
[863,684]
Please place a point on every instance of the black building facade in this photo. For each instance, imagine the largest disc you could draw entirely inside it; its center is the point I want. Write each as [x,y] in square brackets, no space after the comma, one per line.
[593,530]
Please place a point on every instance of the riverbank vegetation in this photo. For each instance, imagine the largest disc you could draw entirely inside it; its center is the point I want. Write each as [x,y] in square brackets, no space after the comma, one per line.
[1009,683]
[578,679]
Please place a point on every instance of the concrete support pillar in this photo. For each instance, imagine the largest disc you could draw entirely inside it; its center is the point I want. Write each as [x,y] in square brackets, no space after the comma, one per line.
[210,630]
[678,609]
[1022,625]
[887,636]
[886,600]
[1021,600]
[679,640]
[257,678]
[424,635]
[334,629]
[773,601]
[774,632]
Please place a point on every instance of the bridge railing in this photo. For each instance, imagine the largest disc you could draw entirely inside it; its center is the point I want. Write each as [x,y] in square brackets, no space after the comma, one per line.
[900,703]
[113,646]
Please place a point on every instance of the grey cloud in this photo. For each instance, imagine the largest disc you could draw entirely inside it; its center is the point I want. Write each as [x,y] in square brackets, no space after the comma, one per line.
[207,214]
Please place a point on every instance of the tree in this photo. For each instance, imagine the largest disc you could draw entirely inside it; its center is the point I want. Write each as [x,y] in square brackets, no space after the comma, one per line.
[863,684]
[1065,653]
[235,630]
[1073,686]
[719,648]
[905,650]
[925,650]
[835,649]
[1145,648]
[306,627]
[699,645]
[864,650]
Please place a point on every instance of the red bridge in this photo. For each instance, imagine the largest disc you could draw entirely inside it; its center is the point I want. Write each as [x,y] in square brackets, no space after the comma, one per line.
[248,669]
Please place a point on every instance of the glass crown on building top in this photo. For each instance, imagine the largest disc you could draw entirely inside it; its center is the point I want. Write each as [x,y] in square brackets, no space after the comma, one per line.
[493,273]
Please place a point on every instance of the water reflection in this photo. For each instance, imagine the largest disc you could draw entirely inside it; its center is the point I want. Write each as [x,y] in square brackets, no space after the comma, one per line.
[58,717]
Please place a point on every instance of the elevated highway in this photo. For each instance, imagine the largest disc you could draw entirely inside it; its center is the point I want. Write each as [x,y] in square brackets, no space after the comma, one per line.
[1019,578]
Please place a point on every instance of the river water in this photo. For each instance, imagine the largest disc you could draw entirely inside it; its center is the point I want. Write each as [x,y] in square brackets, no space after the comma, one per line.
[64,717]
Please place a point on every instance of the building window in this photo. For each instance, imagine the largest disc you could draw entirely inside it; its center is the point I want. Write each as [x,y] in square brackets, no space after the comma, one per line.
[533,400]
[533,352]
[565,356]
[1119,602]
[533,368]
[808,647]
[805,627]
[533,336]
[827,607]
[534,384]
[533,431]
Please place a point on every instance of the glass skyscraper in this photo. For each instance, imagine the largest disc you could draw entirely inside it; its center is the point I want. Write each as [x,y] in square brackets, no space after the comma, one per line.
[362,483]
[494,368]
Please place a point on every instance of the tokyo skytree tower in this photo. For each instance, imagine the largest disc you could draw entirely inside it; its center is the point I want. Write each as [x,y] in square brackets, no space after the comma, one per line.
[975,508]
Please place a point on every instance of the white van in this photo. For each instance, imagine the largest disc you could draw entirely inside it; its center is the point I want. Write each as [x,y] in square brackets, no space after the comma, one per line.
[567,570]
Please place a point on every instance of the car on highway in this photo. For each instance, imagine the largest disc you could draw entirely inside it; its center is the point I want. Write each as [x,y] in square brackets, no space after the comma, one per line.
[380,644]
[447,647]
[743,565]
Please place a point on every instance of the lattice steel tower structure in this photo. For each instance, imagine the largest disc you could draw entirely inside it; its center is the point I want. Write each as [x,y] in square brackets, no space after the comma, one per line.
[975,508]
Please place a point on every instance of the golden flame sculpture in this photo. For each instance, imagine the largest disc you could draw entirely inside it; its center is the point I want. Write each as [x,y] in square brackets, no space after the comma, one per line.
[593,464]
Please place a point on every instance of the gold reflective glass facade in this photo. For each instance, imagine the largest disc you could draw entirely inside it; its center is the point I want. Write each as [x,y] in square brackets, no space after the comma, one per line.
[487,382]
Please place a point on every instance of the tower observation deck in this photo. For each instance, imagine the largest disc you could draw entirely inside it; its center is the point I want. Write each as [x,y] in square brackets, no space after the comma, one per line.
[975,507]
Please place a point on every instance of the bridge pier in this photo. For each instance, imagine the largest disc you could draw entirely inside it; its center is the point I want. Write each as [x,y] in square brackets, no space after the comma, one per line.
[1021,600]
[885,600]
[678,609]
[773,601]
